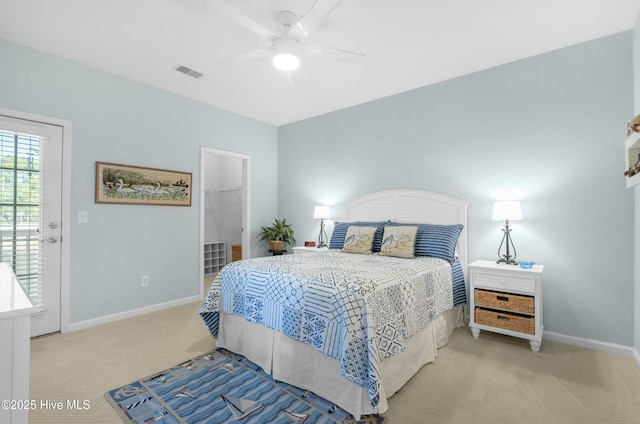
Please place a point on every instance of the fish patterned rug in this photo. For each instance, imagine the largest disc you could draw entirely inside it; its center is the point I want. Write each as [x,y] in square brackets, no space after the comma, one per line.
[223,387]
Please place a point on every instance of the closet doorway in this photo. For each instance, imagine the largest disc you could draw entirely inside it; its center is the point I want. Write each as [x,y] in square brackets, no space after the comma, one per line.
[224,208]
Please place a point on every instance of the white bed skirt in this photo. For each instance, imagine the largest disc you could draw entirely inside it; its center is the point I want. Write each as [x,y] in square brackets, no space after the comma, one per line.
[303,366]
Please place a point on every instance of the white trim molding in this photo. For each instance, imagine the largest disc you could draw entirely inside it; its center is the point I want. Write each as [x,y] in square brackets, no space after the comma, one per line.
[132,313]
[593,344]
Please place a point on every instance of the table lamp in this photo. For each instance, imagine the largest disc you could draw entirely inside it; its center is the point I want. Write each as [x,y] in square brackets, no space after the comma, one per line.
[322,213]
[507,211]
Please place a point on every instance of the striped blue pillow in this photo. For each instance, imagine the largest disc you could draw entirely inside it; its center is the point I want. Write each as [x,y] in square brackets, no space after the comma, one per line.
[438,241]
[340,232]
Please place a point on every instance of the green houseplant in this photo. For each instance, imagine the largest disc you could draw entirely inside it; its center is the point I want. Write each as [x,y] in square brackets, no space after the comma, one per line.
[277,235]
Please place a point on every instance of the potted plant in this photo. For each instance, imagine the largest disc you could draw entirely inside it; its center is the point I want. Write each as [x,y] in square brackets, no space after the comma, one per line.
[277,235]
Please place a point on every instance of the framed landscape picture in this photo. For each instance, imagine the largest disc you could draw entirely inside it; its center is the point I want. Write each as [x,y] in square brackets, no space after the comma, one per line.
[136,185]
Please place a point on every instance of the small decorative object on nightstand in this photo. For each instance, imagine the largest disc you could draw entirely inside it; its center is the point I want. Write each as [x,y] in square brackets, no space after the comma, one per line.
[505,211]
[322,213]
[506,300]
[309,249]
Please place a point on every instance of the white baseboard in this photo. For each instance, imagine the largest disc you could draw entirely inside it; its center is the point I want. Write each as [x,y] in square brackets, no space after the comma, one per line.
[132,313]
[593,344]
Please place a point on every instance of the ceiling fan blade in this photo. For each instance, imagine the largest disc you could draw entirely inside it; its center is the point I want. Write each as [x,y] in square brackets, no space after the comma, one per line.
[342,55]
[312,19]
[248,56]
[294,78]
[241,19]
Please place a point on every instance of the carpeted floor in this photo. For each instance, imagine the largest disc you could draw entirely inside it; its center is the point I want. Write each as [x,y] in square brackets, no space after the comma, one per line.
[495,379]
[223,387]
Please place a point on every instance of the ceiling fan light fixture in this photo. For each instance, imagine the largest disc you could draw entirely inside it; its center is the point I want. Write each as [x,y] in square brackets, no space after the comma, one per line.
[286,54]
[286,61]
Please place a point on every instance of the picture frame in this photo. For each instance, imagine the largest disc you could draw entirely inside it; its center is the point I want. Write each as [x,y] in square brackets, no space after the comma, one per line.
[137,185]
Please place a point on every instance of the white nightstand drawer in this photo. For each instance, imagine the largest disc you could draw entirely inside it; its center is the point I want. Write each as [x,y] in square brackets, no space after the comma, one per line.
[505,282]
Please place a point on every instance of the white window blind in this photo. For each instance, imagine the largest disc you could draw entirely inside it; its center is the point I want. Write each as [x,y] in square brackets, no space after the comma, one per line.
[20,193]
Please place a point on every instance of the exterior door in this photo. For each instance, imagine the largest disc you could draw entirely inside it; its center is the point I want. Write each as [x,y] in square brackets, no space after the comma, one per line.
[31,213]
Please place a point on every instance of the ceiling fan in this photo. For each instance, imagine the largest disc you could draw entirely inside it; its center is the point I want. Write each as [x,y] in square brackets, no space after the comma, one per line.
[287,48]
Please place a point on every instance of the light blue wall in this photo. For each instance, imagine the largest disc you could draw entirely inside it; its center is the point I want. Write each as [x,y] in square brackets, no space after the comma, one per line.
[121,121]
[548,130]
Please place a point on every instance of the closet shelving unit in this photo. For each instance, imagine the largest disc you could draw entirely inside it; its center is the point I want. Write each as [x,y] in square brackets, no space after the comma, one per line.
[215,256]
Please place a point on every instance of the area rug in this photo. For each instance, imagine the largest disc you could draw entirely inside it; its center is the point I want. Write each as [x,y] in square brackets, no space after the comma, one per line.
[223,387]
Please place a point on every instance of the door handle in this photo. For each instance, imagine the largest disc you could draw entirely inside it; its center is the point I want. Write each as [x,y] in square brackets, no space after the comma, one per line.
[52,239]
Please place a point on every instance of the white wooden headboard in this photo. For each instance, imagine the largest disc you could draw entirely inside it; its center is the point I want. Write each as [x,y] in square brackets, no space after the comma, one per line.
[414,206]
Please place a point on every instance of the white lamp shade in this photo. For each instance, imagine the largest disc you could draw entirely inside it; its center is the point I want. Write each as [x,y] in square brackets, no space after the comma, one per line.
[322,212]
[286,61]
[286,54]
[509,210]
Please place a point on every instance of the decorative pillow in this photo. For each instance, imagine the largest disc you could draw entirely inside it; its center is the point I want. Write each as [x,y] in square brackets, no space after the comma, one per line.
[340,231]
[438,241]
[359,239]
[398,241]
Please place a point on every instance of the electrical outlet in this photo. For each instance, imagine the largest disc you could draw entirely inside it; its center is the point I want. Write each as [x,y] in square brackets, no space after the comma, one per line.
[144,281]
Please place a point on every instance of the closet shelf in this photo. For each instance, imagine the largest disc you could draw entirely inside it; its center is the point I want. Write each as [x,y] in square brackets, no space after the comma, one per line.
[215,256]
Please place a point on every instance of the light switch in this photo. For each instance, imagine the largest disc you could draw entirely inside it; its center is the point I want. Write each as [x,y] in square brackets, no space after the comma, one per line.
[83,218]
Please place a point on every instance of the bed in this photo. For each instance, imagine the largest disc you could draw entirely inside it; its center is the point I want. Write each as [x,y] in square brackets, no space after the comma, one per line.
[351,327]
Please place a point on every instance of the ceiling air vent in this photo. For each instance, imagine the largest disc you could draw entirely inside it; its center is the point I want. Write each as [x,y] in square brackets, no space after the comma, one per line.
[188,71]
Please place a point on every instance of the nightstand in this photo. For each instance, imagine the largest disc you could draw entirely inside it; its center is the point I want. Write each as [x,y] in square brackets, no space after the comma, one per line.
[506,299]
[309,249]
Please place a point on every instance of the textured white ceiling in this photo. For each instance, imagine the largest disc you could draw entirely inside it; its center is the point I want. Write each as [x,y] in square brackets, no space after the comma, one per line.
[407,43]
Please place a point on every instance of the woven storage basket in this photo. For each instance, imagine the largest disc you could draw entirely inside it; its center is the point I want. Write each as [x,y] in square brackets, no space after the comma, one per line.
[505,320]
[505,301]
[236,252]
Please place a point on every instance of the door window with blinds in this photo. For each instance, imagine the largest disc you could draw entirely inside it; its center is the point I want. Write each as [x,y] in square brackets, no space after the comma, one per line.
[31,165]
[20,193]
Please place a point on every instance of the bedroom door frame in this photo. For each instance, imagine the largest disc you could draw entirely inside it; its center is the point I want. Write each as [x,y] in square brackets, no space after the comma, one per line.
[65,207]
[246,202]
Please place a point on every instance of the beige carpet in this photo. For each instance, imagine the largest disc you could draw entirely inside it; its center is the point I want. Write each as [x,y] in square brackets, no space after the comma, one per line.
[495,379]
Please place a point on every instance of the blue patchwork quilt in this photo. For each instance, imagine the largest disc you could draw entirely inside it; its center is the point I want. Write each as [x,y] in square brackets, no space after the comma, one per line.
[358,309]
